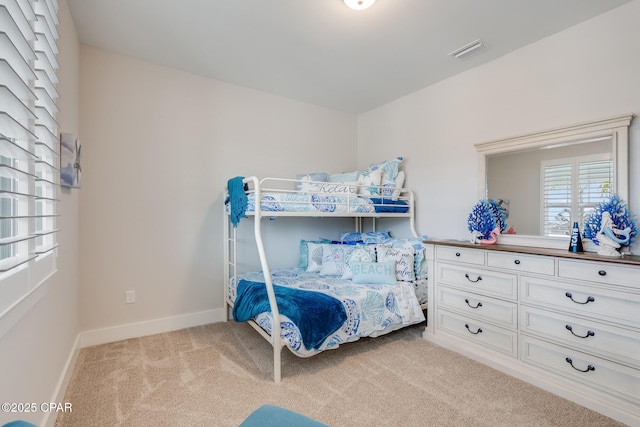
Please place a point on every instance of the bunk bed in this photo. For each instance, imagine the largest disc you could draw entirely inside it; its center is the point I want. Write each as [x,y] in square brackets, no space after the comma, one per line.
[367,286]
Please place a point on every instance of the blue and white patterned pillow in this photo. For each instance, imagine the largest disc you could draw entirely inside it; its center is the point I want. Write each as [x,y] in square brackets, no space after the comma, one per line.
[390,167]
[368,237]
[344,176]
[375,237]
[303,261]
[359,253]
[308,183]
[369,182]
[333,260]
[390,179]
[391,188]
[351,237]
[314,260]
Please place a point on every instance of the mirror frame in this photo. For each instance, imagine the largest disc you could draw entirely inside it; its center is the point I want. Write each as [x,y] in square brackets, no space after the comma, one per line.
[615,127]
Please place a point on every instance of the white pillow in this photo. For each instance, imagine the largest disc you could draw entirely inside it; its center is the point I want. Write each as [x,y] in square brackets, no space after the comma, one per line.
[418,246]
[404,262]
[369,182]
[391,188]
[314,258]
[333,256]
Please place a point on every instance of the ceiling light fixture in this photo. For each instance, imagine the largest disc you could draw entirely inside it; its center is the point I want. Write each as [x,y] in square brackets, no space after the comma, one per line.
[359,4]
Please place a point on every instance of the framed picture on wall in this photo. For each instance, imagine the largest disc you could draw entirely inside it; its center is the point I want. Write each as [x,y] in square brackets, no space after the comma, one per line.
[70,157]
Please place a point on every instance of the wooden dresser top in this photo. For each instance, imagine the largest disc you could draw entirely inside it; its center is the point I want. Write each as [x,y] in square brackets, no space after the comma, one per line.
[583,256]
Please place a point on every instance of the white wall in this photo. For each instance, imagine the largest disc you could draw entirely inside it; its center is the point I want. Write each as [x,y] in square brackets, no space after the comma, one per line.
[37,344]
[158,148]
[587,72]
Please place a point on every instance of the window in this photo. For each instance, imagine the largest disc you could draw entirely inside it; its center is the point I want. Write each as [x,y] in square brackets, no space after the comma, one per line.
[28,146]
[571,189]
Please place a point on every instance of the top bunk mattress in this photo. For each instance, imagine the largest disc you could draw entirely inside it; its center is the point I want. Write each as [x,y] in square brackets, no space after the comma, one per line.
[323,203]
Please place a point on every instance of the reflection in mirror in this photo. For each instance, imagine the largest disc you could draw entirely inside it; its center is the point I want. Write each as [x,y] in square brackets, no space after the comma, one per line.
[549,179]
[553,187]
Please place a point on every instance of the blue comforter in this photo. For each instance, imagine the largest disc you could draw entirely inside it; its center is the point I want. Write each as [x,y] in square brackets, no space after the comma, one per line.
[317,315]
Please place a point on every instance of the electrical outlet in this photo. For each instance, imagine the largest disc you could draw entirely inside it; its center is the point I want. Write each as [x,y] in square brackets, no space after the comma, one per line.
[130,297]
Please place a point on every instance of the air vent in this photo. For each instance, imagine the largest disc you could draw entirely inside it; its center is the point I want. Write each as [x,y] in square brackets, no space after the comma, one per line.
[468,50]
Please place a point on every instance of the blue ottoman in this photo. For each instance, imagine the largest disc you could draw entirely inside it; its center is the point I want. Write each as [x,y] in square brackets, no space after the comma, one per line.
[19,423]
[274,416]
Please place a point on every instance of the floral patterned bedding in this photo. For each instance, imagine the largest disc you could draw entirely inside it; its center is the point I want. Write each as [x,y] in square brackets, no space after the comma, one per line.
[310,202]
[372,310]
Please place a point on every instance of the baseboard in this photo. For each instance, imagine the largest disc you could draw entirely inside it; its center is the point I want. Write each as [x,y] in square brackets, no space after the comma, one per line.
[149,327]
[50,417]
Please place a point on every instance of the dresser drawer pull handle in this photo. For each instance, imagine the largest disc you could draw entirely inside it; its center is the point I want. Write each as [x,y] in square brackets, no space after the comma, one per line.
[476,306]
[517,262]
[589,299]
[457,253]
[602,272]
[589,367]
[473,281]
[589,333]
[479,331]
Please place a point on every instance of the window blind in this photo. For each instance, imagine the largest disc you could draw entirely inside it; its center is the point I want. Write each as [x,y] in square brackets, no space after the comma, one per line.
[571,190]
[595,180]
[29,146]
[557,198]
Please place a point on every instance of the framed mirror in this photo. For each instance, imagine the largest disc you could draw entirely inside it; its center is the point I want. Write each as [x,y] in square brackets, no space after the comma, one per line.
[547,180]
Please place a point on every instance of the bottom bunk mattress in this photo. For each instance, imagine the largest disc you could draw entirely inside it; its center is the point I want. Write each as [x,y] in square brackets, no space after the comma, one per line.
[331,310]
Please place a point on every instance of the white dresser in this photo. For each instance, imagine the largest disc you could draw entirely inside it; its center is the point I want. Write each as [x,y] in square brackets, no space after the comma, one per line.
[565,322]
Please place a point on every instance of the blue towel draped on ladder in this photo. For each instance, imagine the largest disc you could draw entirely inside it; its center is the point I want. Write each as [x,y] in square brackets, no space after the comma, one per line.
[237,199]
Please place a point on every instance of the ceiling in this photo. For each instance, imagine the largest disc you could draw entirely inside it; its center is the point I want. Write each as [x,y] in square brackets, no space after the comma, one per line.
[320,51]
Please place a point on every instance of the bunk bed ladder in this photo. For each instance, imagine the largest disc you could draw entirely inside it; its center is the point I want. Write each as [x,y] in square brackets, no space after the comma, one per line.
[230,268]
[276,340]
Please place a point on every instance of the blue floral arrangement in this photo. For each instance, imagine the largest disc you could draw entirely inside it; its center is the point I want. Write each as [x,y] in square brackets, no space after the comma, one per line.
[485,217]
[620,216]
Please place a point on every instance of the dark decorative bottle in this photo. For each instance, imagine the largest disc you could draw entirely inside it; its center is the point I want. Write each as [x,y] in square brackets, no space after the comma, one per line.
[575,244]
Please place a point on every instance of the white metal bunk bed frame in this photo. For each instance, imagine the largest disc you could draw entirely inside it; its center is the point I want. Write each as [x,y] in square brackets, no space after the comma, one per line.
[256,186]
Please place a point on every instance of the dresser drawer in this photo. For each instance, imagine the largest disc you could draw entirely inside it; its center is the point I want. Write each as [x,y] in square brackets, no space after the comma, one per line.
[502,313]
[594,372]
[478,332]
[600,272]
[586,335]
[588,301]
[522,263]
[470,256]
[502,285]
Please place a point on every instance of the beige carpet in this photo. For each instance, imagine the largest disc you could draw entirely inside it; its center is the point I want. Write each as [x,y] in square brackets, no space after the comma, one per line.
[216,375]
